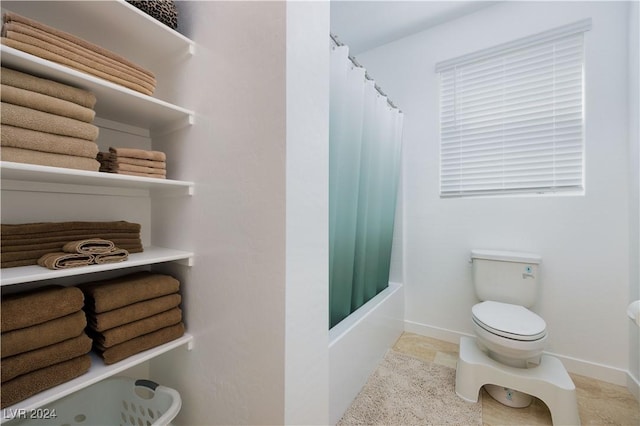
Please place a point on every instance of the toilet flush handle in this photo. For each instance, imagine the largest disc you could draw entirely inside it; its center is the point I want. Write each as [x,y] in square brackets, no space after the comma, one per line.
[528,273]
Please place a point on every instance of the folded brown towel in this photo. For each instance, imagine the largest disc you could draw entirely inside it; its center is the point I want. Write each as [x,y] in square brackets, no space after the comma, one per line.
[51,88]
[26,44]
[38,336]
[14,17]
[139,344]
[89,246]
[134,312]
[46,103]
[26,259]
[20,310]
[131,248]
[115,293]
[8,247]
[109,157]
[146,175]
[36,251]
[58,236]
[139,153]
[23,244]
[116,167]
[18,137]
[62,260]
[26,385]
[16,263]
[51,227]
[117,335]
[27,156]
[25,255]
[55,246]
[78,53]
[33,360]
[114,256]
[58,244]
[27,118]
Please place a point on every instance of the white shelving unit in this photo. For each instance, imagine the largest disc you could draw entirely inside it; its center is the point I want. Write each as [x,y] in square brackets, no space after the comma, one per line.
[98,371]
[56,179]
[122,28]
[151,255]
[115,25]
[115,103]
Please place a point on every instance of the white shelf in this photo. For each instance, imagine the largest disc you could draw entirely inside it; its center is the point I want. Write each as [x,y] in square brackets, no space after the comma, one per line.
[151,255]
[115,25]
[54,179]
[115,103]
[98,371]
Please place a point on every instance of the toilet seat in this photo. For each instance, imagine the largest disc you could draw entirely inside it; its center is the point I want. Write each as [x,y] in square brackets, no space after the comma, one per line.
[510,321]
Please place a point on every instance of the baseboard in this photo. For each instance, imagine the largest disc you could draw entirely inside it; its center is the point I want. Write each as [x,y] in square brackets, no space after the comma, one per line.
[594,370]
[434,332]
[602,372]
[633,385]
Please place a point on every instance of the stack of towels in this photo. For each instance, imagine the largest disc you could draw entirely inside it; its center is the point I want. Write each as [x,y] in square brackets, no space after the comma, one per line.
[52,44]
[46,123]
[23,244]
[133,313]
[43,342]
[134,162]
[84,252]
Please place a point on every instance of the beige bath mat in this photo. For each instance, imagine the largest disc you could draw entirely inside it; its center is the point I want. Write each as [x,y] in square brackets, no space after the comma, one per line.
[407,391]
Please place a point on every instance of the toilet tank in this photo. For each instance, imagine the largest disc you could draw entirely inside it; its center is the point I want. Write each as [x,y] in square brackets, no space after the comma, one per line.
[506,276]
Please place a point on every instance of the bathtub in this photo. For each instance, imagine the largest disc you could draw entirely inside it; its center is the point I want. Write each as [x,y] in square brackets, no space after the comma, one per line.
[359,342]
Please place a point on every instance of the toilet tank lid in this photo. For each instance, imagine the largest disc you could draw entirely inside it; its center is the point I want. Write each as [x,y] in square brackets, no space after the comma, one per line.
[506,256]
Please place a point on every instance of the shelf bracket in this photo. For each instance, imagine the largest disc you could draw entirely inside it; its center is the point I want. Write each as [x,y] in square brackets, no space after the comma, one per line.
[186,121]
[186,262]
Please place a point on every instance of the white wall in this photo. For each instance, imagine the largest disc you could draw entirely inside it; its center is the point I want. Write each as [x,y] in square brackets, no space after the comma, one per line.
[307,228]
[583,240]
[396,268]
[256,298]
[234,295]
[634,188]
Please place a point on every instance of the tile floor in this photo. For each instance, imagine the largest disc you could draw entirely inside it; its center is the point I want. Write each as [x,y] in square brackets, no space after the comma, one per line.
[599,403]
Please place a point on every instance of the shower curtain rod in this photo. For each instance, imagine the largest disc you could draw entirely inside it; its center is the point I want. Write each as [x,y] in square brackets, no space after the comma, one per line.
[334,38]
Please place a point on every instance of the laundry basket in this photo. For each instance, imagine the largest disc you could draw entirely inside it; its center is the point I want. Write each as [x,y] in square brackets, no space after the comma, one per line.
[115,401]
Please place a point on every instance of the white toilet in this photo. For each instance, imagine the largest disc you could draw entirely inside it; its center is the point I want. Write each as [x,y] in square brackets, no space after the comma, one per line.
[506,356]
[507,331]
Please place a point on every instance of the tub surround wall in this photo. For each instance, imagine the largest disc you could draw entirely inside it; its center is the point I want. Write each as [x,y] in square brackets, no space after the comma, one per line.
[358,343]
[583,240]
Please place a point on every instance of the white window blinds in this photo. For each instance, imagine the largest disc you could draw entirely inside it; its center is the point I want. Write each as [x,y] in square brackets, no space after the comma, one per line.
[511,117]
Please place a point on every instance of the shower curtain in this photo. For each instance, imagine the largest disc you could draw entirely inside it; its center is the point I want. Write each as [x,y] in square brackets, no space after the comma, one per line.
[364,165]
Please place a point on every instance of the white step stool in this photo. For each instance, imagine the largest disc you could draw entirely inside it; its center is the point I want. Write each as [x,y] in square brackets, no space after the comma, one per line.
[549,381]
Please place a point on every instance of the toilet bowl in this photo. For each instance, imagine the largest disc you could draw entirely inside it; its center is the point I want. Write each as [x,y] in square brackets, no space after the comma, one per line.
[510,334]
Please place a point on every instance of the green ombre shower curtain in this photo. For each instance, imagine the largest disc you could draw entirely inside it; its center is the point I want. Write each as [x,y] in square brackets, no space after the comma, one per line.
[364,165]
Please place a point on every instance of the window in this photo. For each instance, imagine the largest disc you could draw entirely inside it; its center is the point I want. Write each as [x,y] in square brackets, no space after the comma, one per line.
[511,117]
